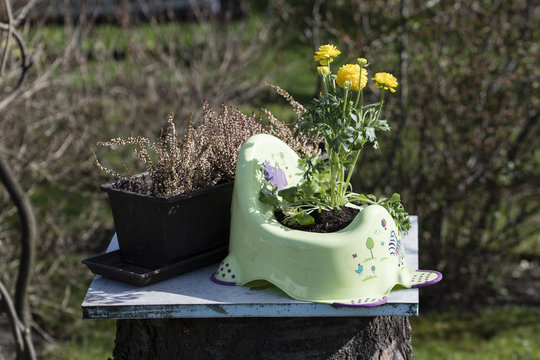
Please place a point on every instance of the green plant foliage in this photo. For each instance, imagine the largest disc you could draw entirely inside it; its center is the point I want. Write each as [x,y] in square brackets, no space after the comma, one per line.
[299,201]
[312,194]
[392,205]
[346,125]
[342,120]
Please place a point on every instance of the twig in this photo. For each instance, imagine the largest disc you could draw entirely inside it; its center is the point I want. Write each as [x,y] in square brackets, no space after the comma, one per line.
[12,316]
[25,65]
[23,12]
[5,53]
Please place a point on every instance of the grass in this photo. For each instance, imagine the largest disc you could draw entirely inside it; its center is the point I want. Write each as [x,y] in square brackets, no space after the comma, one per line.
[94,340]
[506,332]
[75,338]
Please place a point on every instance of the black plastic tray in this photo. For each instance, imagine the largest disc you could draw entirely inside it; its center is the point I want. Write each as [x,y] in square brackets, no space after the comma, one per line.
[110,265]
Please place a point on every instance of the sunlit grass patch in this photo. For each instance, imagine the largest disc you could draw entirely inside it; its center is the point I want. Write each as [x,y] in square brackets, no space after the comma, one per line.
[93,340]
[508,332]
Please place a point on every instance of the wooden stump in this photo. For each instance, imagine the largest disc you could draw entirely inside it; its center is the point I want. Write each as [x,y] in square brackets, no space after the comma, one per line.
[382,337]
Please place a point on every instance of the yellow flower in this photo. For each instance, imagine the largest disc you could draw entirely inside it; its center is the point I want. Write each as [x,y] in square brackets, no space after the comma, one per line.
[351,72]
[323,70]
[385,81]
[326,54]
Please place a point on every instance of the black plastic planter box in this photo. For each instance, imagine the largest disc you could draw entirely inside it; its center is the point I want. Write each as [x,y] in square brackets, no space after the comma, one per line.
[154,232]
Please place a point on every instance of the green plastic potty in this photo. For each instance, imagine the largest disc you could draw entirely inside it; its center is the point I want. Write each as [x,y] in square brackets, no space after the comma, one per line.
[356,266]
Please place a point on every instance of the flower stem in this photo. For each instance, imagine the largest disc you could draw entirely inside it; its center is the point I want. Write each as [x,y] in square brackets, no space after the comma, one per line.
[343,186]
[353,165]
[380,105]
[345,99]
[359,90]
[324,81]
[362,105]
[333,162]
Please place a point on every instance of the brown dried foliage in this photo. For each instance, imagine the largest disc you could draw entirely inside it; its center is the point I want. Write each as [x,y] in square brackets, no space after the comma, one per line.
[208,153]
[230,128]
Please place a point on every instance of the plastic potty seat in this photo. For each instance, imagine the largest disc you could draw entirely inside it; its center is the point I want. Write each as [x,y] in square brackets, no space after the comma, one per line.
[356,266]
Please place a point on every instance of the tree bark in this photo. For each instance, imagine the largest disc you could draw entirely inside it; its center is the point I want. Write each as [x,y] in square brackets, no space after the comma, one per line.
[384,337]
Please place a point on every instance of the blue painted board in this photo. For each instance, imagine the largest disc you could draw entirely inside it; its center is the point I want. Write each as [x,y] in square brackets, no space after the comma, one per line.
[194,295]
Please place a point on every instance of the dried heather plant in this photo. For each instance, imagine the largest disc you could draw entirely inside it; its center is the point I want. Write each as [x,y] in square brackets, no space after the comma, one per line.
[198,159]
[227,131]
[297,107]
[230,128]
[140,148]
[302,144]
[165,175]
[208,152]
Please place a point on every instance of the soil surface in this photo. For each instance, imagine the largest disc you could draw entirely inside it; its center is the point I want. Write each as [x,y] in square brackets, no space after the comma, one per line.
[142,185]
[325,221]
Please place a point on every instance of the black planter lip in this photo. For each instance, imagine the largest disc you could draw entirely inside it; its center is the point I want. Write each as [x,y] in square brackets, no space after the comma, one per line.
[109,188]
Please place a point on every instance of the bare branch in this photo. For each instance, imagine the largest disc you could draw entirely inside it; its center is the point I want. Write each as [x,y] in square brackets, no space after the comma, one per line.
[23,12]
[12,316]
[28,243]
[5,53]
[19,312]
[25,65]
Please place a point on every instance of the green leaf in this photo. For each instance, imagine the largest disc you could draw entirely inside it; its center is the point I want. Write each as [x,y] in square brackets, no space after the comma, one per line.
[289,193]
[395,198]
[361,197]
[268,197]
[304,219]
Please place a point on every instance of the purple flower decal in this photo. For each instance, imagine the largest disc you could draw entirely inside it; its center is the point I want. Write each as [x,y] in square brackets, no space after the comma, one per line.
[275,176]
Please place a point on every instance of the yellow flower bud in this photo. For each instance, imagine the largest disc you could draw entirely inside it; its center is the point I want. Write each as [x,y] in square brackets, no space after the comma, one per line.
[326,62]
[323,70]
[362,62]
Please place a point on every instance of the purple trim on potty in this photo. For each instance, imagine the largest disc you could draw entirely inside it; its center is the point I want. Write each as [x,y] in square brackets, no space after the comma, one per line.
[228,283]
[436,280]
[381,302]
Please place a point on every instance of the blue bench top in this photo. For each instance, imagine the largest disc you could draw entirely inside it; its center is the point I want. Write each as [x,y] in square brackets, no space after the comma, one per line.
[194,295]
